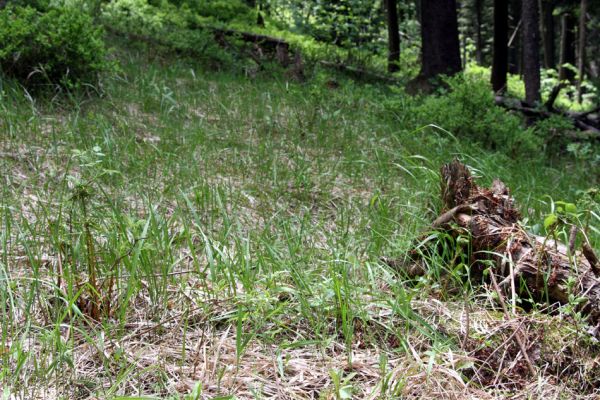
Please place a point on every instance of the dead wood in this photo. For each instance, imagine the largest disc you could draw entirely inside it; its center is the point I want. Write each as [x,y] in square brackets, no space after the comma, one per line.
[543,268]
[553,95]
[585,121]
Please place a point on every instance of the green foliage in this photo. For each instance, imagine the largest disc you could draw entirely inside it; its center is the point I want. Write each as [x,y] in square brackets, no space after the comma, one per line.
[175,28]
[567,98]
[219,11]
[136,16]
[584,214]
[346,23]
[468,111]
[224,10]
[553,131]
[61,46]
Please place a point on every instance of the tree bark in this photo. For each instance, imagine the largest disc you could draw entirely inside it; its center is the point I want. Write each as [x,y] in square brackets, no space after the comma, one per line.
[500,53]
[514,42]
[581,50]
[440,47]
[547,28]
[393,36]
[478,35]
[567,48]
[531,51]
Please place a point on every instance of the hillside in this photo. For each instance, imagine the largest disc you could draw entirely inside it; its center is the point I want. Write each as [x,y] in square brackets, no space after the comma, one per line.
[234,226]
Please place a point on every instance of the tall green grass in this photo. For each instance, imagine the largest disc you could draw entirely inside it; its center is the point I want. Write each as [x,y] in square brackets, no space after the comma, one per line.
[185,199]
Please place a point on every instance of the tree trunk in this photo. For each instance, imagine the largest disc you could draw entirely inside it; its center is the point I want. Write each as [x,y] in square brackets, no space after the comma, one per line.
[478,35]
[567,48]
[531,51]
[514,41]
[393,36]
[500,54]
[440,48]
[581,50]
[547,28]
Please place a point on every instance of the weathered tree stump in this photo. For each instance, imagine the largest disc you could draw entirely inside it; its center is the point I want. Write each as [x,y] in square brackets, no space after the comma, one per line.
[539,266]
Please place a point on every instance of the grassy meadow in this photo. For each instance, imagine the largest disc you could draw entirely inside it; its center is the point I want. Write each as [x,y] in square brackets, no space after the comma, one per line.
[198,234]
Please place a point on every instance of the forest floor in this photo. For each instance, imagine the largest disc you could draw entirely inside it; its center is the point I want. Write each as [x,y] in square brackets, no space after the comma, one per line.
[231,231]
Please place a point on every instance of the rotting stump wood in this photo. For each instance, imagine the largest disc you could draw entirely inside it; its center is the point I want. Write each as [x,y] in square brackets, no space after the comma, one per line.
[527,264]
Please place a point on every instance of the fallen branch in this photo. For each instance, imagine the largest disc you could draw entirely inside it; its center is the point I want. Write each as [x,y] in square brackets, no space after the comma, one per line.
[553,95]
[582,121]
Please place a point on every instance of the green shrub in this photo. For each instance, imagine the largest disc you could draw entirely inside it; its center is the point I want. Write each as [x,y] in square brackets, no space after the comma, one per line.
[224,10]
[166,27]
[61,46]
[136,16]
[467,110]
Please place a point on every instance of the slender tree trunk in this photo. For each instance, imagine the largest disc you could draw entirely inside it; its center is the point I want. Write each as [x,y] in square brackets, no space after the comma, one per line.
[567,48]
[547,28]
[531,51]
[581,50]
[500,54]
[440,47]
[514,41]
[478,35]
[393,36]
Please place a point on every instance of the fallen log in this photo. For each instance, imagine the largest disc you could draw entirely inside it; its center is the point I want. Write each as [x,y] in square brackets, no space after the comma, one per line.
[582,121]
[538,267]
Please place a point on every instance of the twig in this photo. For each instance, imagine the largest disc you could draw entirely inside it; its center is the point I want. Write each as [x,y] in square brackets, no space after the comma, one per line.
[517,330]
[592,258]
[572,239]
[553,95]
[450,214]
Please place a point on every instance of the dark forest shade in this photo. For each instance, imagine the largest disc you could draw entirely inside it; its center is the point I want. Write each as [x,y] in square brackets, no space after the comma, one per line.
[515,64]
[547,28]
[531,51]
[500,55]
[567,46]
[439,37]
[393,36]
[581,48]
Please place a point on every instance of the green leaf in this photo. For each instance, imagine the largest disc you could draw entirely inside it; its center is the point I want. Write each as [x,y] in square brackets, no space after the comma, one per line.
[550,221]
[571,208]
[346,392]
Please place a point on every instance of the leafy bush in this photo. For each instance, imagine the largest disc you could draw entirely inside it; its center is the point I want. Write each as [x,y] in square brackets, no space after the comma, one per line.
[468,111]
[224,10]
[61,46]
[167,26]
[136,16]
[345,23]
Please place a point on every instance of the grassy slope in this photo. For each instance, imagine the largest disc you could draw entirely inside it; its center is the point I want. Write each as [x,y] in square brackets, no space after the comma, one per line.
[241,222]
